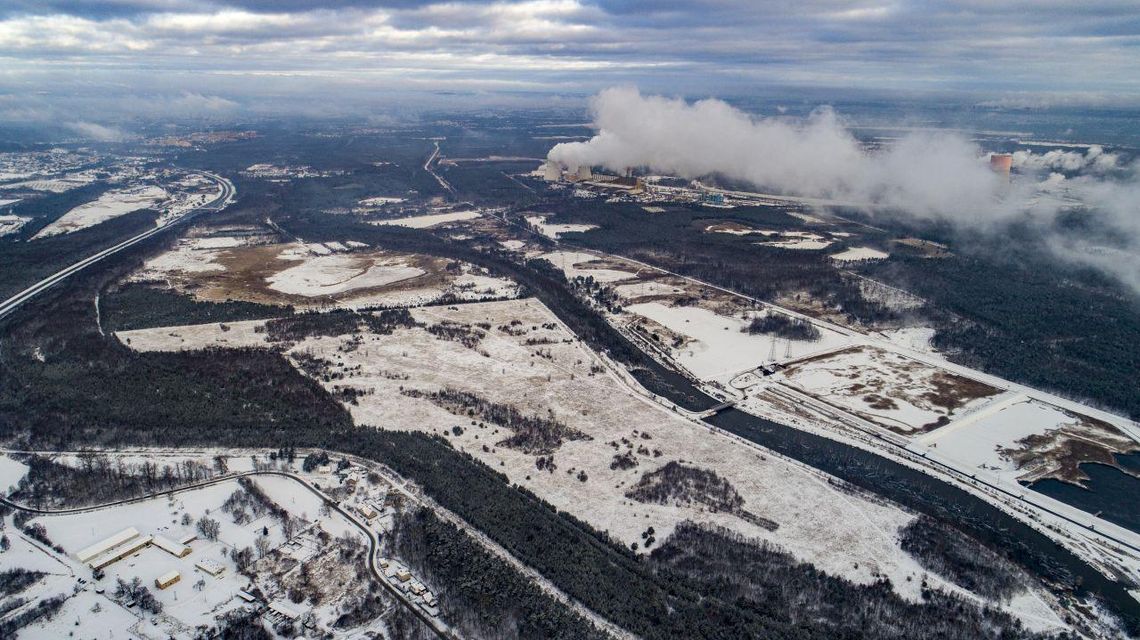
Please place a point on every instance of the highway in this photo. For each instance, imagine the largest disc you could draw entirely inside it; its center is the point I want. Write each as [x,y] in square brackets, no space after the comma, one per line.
[217,204]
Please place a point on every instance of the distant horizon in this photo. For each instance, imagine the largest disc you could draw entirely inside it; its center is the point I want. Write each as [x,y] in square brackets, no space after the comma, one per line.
[230,59]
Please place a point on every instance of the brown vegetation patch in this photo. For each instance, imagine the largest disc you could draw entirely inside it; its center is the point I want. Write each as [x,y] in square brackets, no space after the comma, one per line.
[1059,453]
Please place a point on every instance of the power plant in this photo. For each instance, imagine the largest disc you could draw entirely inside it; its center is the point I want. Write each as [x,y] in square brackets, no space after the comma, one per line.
[1001,163]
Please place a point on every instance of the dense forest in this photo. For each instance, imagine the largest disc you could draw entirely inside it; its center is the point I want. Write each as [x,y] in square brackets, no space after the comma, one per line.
[479,593]
[1034,322]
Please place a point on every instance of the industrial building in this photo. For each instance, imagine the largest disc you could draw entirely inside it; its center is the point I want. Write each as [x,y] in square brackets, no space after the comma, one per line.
[210,567]
[106,544]
[1001,163]
[167,579]
[173,548]
[283,612]
[119,552]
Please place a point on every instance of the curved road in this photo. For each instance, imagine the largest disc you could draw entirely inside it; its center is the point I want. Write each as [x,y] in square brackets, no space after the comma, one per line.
[217,204]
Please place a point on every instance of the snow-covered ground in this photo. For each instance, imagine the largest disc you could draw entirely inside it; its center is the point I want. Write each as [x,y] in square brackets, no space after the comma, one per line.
[350,274]
[991,438]
[555,231]
[110,205]
[888,388]
[854,254]
[799,240]
[914,338]
[10,472]
[53,185]
[430,220]
[11,224]
[577,263]
[719,348]
[377,201]
[338,273]
[840,532]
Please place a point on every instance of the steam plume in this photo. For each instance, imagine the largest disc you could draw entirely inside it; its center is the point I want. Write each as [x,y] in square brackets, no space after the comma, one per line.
[928,174]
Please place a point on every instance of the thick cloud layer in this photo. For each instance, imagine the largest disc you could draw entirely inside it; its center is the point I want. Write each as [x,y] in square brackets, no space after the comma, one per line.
[926,174]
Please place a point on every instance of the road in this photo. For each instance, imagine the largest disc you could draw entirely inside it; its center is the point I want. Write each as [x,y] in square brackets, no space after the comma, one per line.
[224,198]
[438,178]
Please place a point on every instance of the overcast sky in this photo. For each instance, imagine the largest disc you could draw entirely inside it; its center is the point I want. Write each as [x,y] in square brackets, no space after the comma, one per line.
[212,56]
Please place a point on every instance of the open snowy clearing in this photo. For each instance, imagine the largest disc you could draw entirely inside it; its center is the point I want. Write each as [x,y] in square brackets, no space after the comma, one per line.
[719,349]
[378,201]
[737,229]
[855,254]
[52,185]
[1020,439]
[338,273]
[536,366]
[10,472]
[110,205]
[577,263]
[431,220]
[313,275]
[11,224]
[555,231]
[891,390]
[799,240]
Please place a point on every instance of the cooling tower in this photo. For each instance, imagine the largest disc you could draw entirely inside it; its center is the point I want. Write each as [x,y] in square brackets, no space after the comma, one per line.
[551,172]
[585,172]
[1000,163]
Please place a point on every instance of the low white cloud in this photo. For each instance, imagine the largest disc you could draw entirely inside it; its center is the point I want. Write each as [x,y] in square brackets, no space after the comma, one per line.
[97,132]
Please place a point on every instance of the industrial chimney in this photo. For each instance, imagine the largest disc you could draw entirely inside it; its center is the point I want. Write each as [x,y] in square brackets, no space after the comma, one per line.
[1000,163]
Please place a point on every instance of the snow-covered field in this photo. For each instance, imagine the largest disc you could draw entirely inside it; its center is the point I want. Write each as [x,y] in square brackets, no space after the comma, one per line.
[577,263]
[555,231]
[854,254]
[799,240]
[338,273]
[110,205]
[377,201]
[719,349]
[841,533]
[11,224]
[347,274]
[53,185]
[10,473]
[888,388]
[430,220]
[1006,439]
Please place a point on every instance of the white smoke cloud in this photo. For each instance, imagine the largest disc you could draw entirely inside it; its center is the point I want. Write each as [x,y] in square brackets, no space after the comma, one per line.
[927,174]
[98,132]
[1094,160]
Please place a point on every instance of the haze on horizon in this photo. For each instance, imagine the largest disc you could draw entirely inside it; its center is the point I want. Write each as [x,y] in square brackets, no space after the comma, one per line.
[221,59]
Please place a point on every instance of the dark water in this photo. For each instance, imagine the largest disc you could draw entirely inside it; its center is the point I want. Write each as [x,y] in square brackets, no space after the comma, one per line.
[931,496]
[1113,494]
